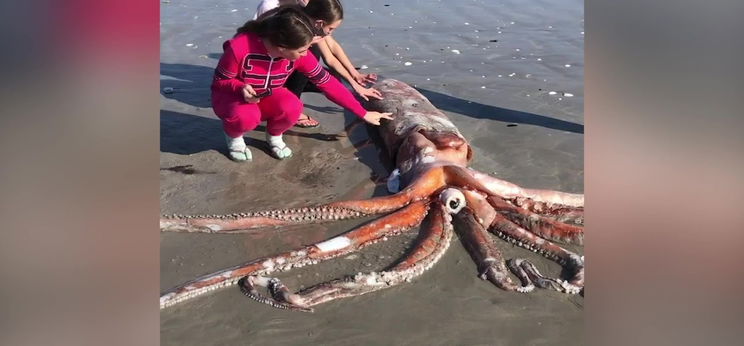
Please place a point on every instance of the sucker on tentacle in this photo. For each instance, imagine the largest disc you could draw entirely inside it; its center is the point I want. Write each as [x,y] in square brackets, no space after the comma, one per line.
[358,238]
[509,231]
[237,222]
[484,252]
[540,225]
[247,286]
[557,212]
[509,190]
[430,182]
[433,243]
[531,277]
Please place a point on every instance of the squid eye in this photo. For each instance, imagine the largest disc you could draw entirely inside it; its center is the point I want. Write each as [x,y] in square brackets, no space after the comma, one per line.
[453,200]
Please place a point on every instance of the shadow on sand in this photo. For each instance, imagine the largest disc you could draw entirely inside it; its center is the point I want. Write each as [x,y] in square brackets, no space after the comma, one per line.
[187,134]
[482,111]
[191,83]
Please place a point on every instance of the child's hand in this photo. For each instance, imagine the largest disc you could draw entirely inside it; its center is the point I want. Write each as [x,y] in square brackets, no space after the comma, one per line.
[363,78]
[375,117]
[366,93]
[249,94]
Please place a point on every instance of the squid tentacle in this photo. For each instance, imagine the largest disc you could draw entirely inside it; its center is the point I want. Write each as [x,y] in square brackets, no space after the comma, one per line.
[509,190]
[433,242]
[248,284]
[540,225]
[242,222]
[531,277]
[431,181]
[484,252]
[560,213]
[513,233]
[358,238]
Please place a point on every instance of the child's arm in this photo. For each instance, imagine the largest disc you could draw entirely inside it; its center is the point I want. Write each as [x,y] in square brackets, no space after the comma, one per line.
[226,72]
[332,62]
[336,49]
[335,64]
[334,90]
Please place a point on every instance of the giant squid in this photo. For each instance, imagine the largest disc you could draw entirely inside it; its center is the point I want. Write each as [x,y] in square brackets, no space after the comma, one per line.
[434,186]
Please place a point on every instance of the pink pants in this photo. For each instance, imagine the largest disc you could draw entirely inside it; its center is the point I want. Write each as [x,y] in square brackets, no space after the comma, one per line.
[280,110]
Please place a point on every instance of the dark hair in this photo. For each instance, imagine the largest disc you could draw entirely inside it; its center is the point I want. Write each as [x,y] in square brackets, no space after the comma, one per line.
[285,26]
[328,11]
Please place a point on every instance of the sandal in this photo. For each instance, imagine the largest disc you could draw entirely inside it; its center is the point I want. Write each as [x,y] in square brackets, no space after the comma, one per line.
[280,150]
[307,122]
[241,155]
[237,149]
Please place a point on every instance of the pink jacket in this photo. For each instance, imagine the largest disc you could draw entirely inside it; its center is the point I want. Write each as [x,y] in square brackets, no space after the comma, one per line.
[246,61]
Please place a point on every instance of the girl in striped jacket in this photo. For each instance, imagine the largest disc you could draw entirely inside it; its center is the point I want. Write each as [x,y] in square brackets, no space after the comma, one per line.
[248,85]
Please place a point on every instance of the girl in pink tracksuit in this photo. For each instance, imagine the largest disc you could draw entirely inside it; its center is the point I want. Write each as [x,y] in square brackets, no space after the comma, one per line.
[248,85]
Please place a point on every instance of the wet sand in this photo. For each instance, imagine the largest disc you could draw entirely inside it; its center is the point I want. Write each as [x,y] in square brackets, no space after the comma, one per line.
[497,90]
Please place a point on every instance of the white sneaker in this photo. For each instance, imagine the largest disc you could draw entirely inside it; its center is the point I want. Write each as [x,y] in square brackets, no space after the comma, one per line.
[237,149]
[276,143]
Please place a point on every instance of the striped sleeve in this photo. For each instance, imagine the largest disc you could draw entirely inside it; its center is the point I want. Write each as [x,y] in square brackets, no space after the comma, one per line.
[226,72]
[329,85]
[318,75]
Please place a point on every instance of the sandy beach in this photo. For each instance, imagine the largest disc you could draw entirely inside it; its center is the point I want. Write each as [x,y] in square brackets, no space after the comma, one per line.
[508,73]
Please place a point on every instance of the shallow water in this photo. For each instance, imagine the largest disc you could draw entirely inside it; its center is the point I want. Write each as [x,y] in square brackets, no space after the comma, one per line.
[519,130]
